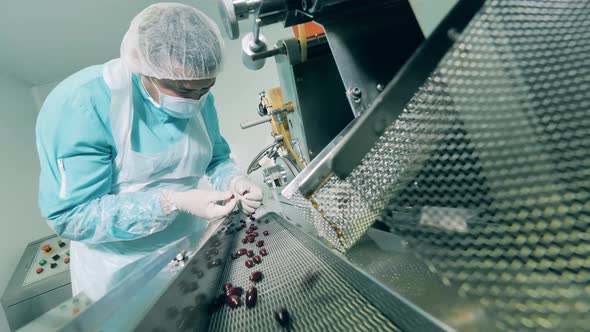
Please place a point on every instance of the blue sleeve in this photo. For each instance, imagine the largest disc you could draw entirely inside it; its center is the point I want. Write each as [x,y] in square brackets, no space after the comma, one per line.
[76,153]
[221,168]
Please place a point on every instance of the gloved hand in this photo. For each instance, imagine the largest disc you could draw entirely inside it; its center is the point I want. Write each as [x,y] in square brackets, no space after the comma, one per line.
[209,205]
[249,194]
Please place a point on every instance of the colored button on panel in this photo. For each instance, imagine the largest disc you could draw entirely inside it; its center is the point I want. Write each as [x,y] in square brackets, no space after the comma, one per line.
[53,265]
[42,262]
[46,248]
[61,243]
[68,252]
[39,270]
[67,260]
[55,257]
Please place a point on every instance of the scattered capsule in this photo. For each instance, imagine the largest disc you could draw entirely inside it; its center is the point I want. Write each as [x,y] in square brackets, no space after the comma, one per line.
[245,240]
[258,221]
[242,221]
[250,253]
[252,218]
[171,312]
[227,286]
[233,301]
[253,227]
[234,255]
[256,276]
[263,252]
[260,243]
[242,251]
[265,233]
[257,259]
[214,263]
[249,263]
[237,291]
[251,296]
[251,239]
[266,221]
[255,234]
[249,231]
[282,316]
[228,232]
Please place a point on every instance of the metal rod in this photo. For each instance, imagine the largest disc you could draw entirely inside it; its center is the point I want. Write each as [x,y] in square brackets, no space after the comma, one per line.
[264,119]
[269,53]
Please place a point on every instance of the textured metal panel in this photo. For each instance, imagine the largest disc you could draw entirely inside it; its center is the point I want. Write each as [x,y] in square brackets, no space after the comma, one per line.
[486,172]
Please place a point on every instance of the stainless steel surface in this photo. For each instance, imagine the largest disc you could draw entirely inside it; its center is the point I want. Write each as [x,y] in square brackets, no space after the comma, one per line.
[22,302]
[485,170]
[251,47]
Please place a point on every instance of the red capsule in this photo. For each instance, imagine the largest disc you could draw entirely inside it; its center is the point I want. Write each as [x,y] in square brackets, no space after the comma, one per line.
[254,234]
[250,253]
[242,251]
[251,296]
[233,301]
[265,233]
[251,239]
[263,252]
[227,286]
[260,243]
[249,231]
[253,227]
[244,240]
[249,263]
[237,291]
[256,276]
[257,259]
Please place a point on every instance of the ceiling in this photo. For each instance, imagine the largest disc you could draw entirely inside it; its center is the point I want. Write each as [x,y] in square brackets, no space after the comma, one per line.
[44,41]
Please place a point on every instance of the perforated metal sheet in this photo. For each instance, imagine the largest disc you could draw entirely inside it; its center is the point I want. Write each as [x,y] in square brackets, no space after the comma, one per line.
[316,296]
[487,171]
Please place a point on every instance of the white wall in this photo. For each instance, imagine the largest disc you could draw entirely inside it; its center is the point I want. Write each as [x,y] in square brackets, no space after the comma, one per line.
[19,172]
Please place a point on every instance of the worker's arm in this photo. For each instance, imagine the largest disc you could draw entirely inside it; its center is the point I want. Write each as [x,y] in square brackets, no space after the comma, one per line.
[222,168]
[76,153]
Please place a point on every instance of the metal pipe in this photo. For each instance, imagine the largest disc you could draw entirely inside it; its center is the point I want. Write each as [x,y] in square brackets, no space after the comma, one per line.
[264,119]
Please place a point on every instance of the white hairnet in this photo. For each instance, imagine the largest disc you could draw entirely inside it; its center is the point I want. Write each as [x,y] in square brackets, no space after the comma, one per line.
[172,41]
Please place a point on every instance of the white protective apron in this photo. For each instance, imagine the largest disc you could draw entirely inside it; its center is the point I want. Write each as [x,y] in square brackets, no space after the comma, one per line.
[94,267]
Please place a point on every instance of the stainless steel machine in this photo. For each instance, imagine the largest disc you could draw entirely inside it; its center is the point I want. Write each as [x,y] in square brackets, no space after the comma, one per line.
[40,281]
[447,184]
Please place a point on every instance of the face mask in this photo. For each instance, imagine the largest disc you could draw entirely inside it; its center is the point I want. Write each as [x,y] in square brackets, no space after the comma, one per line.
[178,107]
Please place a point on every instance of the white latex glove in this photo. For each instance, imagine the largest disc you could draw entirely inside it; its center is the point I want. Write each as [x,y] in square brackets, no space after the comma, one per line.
[248,193]
[209,205]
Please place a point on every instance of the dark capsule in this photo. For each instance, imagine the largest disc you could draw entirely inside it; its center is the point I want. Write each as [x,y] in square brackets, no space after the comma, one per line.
[263,252]
[253,227]
[245,240]
[242,221]
[266,221]
[255,234]
[237,291]
[234,255]
[171,312]
[258,221]
[252,218]
[257,259]
[214,263]
[216,243]
[227,286]
[282,316]
[251,296]
[256,276]
[232,224]
[217,303]
[242,251]
[265,233]
[249,263]
[250,253]
[233,301]
[260,243]
[228,232]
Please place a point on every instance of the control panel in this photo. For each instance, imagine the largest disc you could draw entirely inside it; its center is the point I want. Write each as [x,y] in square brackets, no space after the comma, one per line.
[52,257]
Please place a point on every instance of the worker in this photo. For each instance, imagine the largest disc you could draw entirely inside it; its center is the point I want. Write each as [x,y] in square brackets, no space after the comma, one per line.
[123,145]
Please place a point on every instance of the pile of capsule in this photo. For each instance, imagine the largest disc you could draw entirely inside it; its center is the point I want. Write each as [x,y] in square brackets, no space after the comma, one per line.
[231,293]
